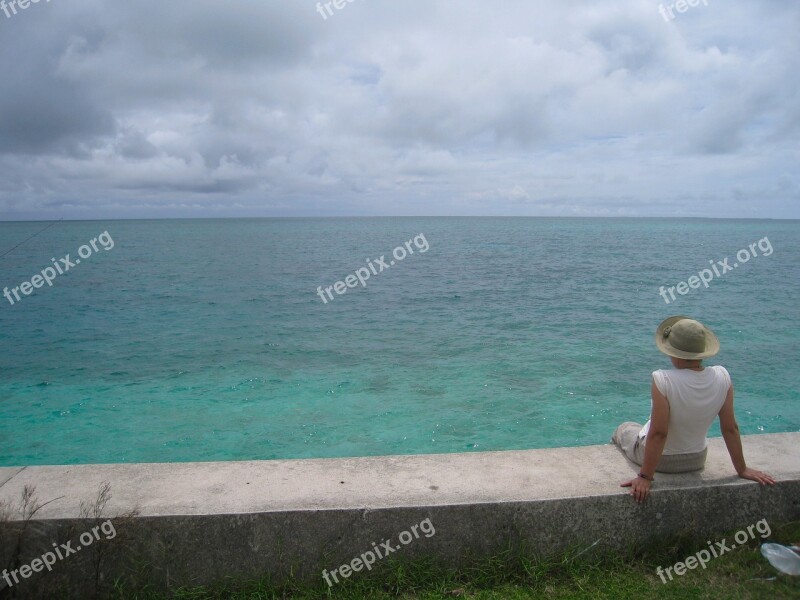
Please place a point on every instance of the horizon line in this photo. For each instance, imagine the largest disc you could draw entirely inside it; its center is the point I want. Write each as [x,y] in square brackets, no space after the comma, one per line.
[332,217]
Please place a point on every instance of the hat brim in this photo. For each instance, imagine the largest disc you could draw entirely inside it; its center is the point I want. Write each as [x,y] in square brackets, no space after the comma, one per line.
[712,342]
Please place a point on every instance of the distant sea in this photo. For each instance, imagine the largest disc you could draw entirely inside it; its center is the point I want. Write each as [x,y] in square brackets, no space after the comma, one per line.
[198,340]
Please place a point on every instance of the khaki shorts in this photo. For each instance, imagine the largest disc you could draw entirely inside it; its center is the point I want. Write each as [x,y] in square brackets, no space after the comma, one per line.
[627,438]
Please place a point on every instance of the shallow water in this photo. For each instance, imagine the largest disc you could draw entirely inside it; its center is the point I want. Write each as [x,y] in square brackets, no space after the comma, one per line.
[206,340]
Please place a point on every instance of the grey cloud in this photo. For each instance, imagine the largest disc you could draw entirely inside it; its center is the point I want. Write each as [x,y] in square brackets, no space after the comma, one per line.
[41,111]
[186,108]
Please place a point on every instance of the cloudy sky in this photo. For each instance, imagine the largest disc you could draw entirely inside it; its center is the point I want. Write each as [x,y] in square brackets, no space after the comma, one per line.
[413,107]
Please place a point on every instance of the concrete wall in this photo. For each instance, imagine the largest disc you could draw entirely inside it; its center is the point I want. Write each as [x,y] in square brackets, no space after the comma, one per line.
[201,522]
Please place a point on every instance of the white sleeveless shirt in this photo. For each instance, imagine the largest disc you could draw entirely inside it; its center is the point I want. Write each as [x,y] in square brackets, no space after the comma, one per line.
[695,399]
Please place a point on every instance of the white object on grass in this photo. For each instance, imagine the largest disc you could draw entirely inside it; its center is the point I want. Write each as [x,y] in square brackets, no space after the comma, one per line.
[782,558]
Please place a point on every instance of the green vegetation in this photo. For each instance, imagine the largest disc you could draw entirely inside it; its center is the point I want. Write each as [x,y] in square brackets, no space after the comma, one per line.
[739,574]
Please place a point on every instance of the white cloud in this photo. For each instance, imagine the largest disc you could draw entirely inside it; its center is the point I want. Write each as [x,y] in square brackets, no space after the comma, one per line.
[425,107]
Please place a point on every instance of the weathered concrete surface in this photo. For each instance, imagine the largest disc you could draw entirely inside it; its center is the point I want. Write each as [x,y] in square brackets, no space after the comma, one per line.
[200,522]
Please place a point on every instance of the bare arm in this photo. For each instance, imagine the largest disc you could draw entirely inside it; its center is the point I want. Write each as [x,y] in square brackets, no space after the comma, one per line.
[657,435]
[654,447]
[730,433]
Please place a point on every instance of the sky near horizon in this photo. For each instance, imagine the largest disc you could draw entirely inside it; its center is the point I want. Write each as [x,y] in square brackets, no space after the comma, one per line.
[421,107]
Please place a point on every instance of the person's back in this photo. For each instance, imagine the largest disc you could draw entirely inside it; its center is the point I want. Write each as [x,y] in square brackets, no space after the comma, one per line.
[695,399]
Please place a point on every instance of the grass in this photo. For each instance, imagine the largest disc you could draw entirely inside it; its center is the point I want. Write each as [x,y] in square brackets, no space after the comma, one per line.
[739,574]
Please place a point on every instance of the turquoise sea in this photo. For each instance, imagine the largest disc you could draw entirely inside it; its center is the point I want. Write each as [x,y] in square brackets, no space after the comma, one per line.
[206,340]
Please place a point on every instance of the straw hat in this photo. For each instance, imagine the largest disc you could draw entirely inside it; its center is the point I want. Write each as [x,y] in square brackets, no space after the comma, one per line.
[686,338]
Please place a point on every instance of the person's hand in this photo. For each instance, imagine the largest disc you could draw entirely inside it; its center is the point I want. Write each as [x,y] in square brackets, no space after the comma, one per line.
[640,488]
[758,476]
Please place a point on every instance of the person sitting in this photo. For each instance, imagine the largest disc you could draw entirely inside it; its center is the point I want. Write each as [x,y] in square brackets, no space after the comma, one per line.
[685,402]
